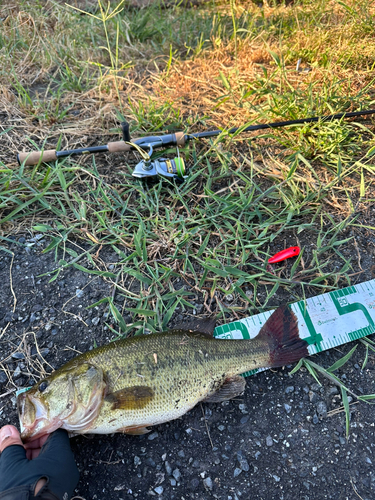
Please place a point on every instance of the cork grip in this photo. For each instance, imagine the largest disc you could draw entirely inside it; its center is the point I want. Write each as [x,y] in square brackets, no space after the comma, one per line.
[118,147]
[36,156]
[180,138]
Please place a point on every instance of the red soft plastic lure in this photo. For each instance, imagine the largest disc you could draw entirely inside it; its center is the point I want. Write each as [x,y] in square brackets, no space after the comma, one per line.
[284,254]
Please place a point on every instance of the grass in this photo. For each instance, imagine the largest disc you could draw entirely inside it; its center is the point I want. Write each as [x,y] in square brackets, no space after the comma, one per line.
[68,79]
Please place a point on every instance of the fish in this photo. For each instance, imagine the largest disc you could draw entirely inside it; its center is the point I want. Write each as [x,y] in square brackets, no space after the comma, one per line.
[132,384]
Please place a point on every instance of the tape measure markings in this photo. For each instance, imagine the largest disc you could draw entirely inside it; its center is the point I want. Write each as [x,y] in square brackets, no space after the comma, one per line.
[325,321]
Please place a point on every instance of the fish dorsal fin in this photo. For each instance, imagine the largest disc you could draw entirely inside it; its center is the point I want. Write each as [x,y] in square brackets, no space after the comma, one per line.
[203,326]
[130,398]
[281,333]
[232,387]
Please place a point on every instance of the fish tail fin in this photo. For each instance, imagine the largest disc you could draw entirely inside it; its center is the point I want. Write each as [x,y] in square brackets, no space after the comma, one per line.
[282,336]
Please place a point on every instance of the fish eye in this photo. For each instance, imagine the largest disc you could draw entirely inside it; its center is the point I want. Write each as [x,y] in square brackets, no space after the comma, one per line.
[43,386]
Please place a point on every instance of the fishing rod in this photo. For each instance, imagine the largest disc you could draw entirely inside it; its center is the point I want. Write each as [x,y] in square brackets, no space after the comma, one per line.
[172,168]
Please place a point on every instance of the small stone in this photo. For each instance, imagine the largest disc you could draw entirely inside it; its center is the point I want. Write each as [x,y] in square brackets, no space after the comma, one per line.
[137,461]
[276,478]
[173,482]
[159,490]
[244,464]
[321,409]
[244,419]
[47,326]
[289,389]
[242,408]
[269,441]
[313,397]
[229,297]
[199,308]
[287,407]
[95,321]
[33,317]
[168,468]
[79,293]
[10,316]
[3,377]
[153,436]
[194,483]
[176,474]
[54,331]
[257,455]
[18,355]
[332,391]
[181,454]
[237,472]
[189,431]
[315,419]
[20,382]
[207,483]
[368,460]
[221,427]
[17,372]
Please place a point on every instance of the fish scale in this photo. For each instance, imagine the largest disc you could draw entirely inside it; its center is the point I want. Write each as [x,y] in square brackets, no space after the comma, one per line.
[134,383]
[191,366]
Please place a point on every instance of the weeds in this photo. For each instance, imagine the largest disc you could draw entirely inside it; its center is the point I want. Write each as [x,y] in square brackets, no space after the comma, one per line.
[315,369]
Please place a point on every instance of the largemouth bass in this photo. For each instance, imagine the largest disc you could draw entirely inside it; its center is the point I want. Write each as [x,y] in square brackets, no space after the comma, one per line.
[131,384]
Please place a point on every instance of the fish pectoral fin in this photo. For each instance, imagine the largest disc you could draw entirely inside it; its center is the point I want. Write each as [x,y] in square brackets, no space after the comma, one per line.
[130,398]
[134,431]
[232,387]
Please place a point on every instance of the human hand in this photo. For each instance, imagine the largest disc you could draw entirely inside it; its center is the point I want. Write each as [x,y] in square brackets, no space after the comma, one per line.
[43,469]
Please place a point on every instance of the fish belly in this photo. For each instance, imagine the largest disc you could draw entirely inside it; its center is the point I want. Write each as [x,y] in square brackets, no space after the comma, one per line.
[120,420]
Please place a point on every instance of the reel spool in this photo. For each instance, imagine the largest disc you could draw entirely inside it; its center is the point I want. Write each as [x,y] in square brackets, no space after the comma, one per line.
[171,168]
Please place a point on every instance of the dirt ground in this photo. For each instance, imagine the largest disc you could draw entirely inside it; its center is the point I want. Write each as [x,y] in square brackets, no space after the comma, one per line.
[283,439]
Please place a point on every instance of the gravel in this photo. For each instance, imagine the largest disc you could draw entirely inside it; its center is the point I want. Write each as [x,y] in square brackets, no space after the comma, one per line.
[259,450]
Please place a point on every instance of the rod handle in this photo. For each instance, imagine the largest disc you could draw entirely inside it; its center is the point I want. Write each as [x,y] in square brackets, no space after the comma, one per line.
[180,138]
[36,156]
[118,147]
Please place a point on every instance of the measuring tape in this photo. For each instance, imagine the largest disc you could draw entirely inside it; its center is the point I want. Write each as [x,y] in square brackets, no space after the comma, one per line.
[324,321]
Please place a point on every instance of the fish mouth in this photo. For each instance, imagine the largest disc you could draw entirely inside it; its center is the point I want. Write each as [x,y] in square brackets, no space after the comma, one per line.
[33,417]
